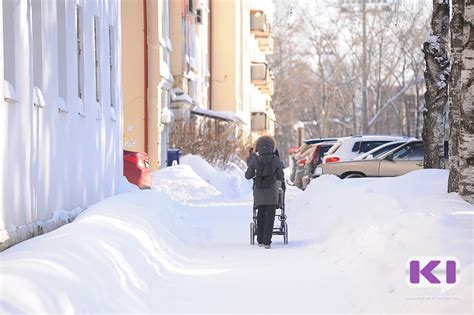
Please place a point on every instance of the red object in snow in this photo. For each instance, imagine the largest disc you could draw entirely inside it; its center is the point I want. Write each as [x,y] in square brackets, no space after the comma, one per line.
[136,168]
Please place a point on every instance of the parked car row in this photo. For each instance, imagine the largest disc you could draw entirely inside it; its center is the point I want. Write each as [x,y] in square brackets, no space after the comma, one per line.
[355,156]
[404,158]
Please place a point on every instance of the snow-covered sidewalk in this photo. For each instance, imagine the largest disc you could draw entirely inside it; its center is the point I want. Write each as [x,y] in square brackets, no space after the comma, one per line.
[184,247]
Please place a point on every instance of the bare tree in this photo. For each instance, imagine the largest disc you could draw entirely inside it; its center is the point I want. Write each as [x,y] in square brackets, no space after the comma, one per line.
[455,93]
[466,134]
[317,61]
[215,140]
[436,77]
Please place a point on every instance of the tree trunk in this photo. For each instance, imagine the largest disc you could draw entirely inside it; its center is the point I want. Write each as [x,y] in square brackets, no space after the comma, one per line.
[466,135]
[436,77]
[455,93]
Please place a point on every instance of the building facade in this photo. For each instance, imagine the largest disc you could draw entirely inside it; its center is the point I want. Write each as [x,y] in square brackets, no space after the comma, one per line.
[189,24]
[241,82]
[147,78]
[60,110]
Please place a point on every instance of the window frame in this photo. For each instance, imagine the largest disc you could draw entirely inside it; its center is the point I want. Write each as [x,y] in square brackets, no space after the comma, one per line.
[80,57]
[9,64]
[97,64]
[61,19]
[112,81]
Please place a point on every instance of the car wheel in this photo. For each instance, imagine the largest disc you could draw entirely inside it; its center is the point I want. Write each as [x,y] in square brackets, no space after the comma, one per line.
[353,175]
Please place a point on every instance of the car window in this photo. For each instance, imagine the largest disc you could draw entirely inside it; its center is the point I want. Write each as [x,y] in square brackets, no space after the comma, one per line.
[366,146]
[356,147]
[321,152]
[378,153]
[411,151]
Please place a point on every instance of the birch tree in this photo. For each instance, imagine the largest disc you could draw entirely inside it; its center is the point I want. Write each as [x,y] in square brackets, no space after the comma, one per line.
[466,134]
[455,93]
[436,77]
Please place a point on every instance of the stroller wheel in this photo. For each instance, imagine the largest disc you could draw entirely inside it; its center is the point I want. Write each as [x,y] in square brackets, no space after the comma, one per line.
[285,235]
[252,233]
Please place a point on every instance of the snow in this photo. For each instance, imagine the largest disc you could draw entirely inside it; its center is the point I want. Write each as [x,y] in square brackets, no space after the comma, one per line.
[183,247]
[231,182]
[125,186]
[224,115]
[181,182]
[433,41]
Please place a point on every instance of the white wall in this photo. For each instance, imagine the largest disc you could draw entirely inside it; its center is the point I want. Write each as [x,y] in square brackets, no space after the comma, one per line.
[55,159]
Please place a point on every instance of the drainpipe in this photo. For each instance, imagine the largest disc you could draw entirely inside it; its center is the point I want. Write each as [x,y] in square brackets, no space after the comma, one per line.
[145,65]
[210,54]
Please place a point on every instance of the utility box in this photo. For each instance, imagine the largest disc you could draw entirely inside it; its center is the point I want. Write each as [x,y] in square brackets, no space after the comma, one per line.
[173,155]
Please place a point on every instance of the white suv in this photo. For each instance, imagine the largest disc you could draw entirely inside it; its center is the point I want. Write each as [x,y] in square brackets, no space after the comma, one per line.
[348,148]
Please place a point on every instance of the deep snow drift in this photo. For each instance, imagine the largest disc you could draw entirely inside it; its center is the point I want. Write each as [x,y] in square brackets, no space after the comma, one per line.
[183,247]
[195,179]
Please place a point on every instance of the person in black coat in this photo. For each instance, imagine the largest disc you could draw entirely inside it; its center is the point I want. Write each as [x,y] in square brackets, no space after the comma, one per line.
[267,172]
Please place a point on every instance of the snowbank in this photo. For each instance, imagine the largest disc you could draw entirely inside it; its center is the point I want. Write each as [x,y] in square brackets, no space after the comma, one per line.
[371,228]
[183,184]
[125,186]
[153,251]
[230,181]
[196,179]
[113,258]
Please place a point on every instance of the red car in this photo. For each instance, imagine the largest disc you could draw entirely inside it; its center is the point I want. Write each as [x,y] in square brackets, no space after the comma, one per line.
[136,169]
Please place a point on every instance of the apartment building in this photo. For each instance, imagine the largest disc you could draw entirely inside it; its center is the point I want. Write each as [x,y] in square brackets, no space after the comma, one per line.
[189,24]
[60,109]
[147,79]
[241,82]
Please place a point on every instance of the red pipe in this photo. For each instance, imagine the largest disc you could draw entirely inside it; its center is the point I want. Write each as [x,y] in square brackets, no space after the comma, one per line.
[145,84]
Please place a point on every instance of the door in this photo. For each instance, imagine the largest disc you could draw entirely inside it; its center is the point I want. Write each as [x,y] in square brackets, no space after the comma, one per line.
[406,159]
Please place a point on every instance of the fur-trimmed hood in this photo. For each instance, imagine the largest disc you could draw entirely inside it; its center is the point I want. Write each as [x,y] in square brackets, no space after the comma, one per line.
[265,145]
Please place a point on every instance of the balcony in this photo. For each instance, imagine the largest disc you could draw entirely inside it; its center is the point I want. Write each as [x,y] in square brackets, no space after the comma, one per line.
[266,44]
[262,123]
[262,77]
[259,25]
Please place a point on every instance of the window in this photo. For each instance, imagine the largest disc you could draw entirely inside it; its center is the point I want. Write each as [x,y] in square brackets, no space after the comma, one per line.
[191,6]
[62,54]
[385,149]
[9,49]
[366,146]
[199,17]
[409,152]
[258,122]
[37,45]
[80,55]
[97,59]
[36,30]
[323,149]
[111,68]
[356,147]
[164,26]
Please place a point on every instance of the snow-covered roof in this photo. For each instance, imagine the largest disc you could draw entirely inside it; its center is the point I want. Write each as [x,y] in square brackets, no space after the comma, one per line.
[223,115]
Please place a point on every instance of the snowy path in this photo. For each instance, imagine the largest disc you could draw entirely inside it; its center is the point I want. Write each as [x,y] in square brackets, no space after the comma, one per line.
[251,276]
[184,247]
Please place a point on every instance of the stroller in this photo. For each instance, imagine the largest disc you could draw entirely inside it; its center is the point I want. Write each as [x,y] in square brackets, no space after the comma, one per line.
[281,228]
